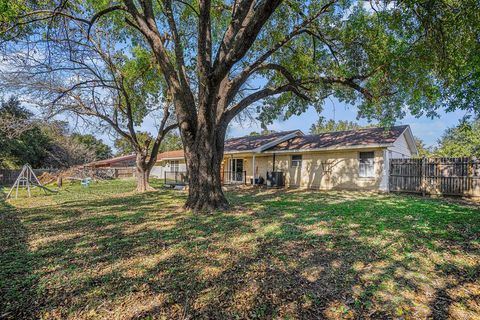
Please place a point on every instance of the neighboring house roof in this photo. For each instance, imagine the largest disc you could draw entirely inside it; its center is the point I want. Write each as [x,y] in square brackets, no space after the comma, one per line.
[343,139]
[110,161]
[175,154]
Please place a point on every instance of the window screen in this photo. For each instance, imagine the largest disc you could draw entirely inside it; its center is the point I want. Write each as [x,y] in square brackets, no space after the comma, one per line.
[366,165]
[296,161]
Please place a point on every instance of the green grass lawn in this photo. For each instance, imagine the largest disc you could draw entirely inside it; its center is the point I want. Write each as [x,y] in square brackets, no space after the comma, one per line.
[107,252]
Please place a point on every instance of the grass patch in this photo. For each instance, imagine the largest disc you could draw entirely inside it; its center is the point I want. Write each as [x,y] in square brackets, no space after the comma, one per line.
[107,252]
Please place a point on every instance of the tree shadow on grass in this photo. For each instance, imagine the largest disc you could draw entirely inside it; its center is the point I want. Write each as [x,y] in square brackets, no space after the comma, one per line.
[285,274]
[457,291]
[294,254]
[18,280]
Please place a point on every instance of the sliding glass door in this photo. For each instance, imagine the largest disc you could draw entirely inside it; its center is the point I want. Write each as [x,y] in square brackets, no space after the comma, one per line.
[236,170]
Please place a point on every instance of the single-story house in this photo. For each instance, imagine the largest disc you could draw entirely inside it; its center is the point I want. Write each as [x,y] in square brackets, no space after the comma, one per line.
[175,163]
[168,163]
[355,159]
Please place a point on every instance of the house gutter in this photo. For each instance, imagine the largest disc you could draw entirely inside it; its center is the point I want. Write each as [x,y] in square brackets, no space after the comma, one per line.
[257,151]
[175,158]
[370,146]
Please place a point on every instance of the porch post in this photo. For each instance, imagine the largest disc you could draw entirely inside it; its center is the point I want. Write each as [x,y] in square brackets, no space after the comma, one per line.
[253,168]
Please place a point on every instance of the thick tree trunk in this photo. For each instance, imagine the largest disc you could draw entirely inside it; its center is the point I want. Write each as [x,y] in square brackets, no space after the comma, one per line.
[203,164]
[142,174]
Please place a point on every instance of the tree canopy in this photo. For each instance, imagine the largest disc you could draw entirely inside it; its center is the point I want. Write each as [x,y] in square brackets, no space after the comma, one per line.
[380,55]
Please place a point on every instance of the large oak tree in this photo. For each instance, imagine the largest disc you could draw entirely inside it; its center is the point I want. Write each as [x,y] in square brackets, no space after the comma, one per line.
[220,57]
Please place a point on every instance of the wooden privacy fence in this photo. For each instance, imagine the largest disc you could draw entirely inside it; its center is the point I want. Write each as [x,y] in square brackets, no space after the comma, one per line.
[125,172]
[436,176]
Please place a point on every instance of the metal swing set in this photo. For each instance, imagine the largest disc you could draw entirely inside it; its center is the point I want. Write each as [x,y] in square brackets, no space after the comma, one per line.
[28,180]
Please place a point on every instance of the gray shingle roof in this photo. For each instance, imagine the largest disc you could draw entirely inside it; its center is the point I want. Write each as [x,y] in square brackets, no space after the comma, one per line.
[342,139]
[339,139]
[249,143]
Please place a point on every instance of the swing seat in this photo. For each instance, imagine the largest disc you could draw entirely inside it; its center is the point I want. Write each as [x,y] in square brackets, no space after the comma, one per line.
[86,182]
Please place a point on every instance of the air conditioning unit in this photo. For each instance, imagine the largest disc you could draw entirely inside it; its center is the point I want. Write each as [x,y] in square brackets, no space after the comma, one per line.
[275,179]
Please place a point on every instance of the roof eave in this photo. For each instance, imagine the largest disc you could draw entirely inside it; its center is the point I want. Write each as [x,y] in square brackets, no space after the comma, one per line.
[410,140]
[111,160]
[268,145]
[171,158]
[342,148]
[271,144]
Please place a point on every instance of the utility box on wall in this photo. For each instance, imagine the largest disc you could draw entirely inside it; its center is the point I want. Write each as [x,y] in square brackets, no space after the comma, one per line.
[275,179]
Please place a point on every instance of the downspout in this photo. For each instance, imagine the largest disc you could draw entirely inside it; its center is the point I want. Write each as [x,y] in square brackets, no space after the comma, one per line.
[253,167]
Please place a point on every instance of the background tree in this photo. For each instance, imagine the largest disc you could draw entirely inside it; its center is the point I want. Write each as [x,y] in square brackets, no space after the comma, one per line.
[462,140]
[125,147]
[261,133]
[42,144]
[21,140]
[381,56]
[102,150]
[63,149]
[14,119]
[324,125]
[172,141]
[423,150]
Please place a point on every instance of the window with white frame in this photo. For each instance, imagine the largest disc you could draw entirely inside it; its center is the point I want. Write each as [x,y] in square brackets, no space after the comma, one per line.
[297,161]
[174,165]
[366,164]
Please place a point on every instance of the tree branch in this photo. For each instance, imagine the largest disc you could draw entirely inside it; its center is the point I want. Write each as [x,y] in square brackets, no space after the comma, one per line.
[299,29]
[101,13]
[248,20]
[236,85]
[257,96]
[179,54]
[295,86]
[204,57]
